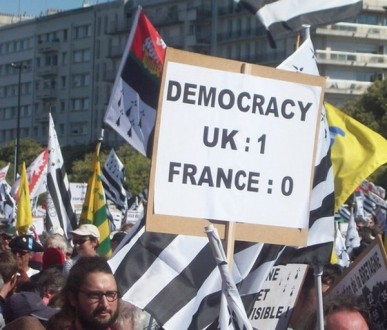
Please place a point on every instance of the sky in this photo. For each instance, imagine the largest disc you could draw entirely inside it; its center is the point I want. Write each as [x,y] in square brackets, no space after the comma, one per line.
[35,7]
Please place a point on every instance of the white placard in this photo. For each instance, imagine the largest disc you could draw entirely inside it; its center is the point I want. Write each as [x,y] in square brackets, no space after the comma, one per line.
[274,302]
[235,147]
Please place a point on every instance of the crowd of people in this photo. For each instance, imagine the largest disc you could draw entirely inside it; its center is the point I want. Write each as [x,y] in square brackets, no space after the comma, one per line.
[50,283]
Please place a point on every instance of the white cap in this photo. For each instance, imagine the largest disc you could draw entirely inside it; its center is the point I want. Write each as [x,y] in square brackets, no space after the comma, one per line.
[87,230]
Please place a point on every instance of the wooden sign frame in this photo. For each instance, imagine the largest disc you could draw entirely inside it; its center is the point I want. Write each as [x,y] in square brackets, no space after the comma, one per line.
[165,223]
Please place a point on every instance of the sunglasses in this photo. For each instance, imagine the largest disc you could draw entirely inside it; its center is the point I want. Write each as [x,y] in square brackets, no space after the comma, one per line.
[19,253]
[80,241]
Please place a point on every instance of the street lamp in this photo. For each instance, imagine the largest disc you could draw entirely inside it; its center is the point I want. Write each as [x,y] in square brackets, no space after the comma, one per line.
[19,67]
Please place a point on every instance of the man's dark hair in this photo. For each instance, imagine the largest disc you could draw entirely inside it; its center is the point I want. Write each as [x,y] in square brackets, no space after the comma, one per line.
[345,302]
[84,266]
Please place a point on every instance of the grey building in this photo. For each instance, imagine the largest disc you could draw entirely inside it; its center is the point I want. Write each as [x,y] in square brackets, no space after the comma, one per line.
[67,61]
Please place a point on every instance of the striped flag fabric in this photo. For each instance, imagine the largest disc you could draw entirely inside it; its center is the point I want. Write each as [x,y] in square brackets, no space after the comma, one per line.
[131,111]
[113,177]
[151,268]
[24,212]
[60,212]
[282,18]
[8,204]
[94,209]
[321,222]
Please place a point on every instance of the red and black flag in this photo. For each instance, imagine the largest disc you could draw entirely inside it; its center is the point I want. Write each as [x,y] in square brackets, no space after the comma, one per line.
[132,107]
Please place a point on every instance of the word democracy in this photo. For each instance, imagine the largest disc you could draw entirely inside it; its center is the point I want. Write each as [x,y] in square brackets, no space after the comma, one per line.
[226,99]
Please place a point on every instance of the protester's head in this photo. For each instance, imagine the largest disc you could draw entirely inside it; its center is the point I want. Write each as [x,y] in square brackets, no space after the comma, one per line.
[56,241]
[116,239]
[90,294]
[27,303]
[86,239]
[53,257]
[130,318]
[23,247]
[307,300]
[51,281]
[342,312]
[8,266]
[6,236]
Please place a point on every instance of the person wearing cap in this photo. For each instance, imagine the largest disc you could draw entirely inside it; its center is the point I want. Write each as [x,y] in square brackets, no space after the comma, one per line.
[6,237]
[23,247]
[27,304]
[86,242]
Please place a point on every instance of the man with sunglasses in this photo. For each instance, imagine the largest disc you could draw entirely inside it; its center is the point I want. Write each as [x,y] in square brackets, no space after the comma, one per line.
[23,247]
[91,297]
[85,241]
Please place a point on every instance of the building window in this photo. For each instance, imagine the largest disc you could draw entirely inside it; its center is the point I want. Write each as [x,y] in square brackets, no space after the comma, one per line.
[81,32]
[80,56]
[80,80]
[79,128]
[80,104]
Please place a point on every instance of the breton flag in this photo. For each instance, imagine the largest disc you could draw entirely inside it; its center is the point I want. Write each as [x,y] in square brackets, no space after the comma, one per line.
[132,107]
[282,18]
[357,151]
[24,212]
[36,174]
[151,268]
[94,208]
[113,177]
[60,212]
[321,222]
[7,202]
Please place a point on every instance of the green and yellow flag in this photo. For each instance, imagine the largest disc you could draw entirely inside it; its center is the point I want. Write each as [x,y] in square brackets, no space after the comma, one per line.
[94,207]
[356,152]
[24,212]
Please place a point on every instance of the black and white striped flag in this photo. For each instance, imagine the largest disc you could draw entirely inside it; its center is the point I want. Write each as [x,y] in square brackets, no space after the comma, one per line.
[60,212]
[113,177]
[282,18]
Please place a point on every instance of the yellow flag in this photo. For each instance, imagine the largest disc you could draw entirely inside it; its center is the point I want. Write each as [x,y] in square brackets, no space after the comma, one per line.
[24,212]
[94,207]
[356,152]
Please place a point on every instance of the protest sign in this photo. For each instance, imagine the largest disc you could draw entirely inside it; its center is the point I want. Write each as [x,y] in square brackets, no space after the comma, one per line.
[367,277]
[274,302]
[232,146]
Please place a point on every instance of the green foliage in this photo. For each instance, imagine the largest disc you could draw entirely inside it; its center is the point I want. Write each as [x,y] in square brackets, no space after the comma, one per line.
[137,167]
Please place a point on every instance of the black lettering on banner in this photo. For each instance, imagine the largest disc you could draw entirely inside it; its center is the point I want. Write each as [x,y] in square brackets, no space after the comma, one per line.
[189,174]
[173,91]
[226,99]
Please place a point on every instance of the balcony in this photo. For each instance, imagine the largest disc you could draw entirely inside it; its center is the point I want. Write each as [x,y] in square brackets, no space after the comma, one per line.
[47,93]
[351,59]
[51,70]
[49,46]
[354,30]
[41,116]
[339,86]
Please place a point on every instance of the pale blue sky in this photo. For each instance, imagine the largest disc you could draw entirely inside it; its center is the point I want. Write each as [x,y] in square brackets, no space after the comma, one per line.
[35,7]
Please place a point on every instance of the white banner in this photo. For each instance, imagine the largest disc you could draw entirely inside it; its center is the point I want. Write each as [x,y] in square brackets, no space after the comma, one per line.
[235,147]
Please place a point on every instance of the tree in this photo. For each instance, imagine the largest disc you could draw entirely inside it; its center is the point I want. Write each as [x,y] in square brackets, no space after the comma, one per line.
[137,167]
